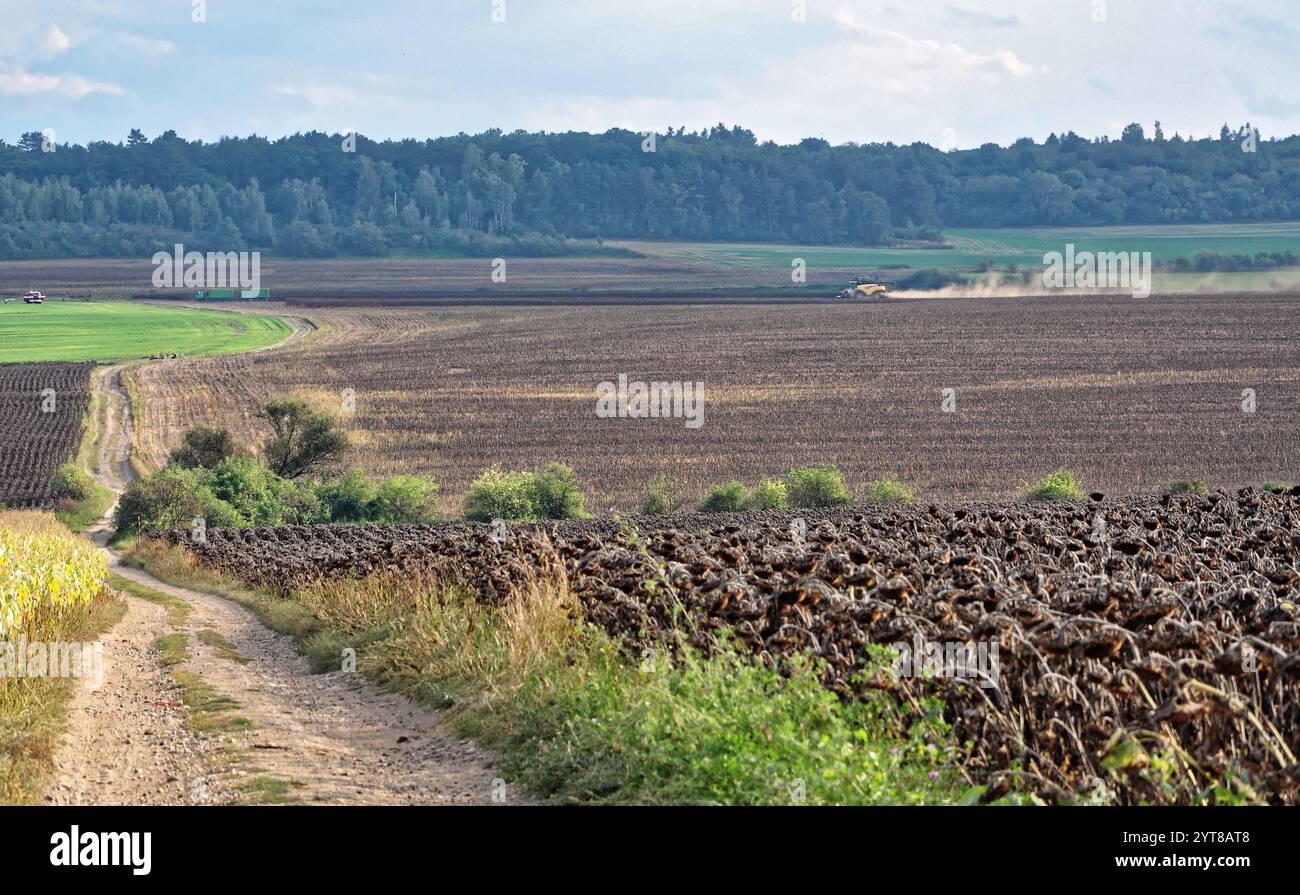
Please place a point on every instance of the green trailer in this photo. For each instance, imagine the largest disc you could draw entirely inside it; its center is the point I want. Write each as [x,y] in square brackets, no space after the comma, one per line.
[233,295]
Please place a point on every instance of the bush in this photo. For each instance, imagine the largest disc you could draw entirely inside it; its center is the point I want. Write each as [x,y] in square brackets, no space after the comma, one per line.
[500,495]
[889,490]
[1186,486]
[660,495]
[349,497]
[303,440]
[555,493]
[771,494]
[1059,485]
[551,492]
[301,502]
[171,498]
[1276,487]
[249,488]
[729,498]
[817,486]
[203,446]
[406,498]
[72,482]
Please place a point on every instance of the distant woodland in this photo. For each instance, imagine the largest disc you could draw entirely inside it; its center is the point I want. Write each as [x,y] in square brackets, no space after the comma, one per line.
[536,193]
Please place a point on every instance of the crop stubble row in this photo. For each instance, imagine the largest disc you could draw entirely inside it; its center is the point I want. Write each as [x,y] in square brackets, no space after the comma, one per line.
[42,409]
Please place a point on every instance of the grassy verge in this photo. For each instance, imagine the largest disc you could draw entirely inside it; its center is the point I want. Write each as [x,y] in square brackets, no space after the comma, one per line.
[208,710]
[576,719]
[133,398]
[178,567]
[33,711]
[82,514]
[223,648]
[177,609]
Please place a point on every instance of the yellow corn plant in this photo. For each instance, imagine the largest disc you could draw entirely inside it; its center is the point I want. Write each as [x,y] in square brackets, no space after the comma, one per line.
[44,569]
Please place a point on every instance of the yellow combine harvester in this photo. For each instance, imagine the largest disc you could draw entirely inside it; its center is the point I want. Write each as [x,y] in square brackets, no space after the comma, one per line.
[866,289]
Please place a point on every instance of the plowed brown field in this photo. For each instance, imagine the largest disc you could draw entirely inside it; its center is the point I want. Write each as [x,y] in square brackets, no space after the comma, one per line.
[1126,393]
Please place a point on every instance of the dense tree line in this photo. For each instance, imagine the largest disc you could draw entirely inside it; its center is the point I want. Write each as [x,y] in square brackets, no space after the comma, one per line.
[305,195]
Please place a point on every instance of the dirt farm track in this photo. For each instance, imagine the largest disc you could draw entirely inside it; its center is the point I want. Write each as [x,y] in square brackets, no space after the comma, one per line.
[1127,393]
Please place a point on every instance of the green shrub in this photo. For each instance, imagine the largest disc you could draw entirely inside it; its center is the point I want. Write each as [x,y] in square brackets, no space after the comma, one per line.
[660,495]
[1186,486]
[551,492]
[301,502]
[303,441]
[555,494]
[500,495]
[349,497]
[203,446]
[1277,487]
[889,490]
[817,486]
[1059,485]
[771,494]
[72,482]
[249,488]
[171,498]
[406,498]
[729,498]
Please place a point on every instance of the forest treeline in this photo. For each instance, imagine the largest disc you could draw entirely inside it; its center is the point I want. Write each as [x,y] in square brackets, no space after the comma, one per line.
[535,193]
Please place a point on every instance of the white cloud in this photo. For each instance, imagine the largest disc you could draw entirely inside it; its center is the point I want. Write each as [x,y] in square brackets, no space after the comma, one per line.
[318,95]
[53,41]
[17,81]
[924,56]
[864,84]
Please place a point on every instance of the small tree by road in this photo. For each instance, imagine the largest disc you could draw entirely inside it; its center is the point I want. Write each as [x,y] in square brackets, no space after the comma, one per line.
[303,440]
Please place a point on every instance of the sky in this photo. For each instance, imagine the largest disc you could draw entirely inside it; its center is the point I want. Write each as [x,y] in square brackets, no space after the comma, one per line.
[952,73]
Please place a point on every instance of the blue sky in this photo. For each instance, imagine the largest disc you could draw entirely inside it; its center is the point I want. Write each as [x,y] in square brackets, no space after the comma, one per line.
[946,72]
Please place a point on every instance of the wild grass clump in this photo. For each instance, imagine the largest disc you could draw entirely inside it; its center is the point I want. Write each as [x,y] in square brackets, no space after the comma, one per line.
[1180,487]
[1059,485]
[576,718]
[733,497]
[816,486]
[889,490]
[660,495]
[770,494]
[551,492]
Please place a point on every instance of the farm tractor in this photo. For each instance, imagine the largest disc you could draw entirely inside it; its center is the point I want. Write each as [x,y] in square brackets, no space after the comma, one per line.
[862,288]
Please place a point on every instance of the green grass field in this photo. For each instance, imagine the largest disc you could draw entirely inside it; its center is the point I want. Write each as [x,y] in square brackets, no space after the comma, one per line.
[106,331]
[971,247]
